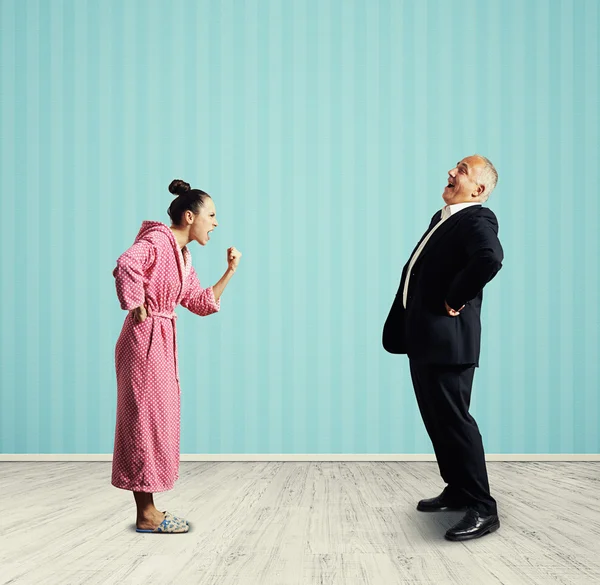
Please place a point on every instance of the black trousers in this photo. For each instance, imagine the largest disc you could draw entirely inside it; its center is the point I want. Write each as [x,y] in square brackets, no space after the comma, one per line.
[444,396]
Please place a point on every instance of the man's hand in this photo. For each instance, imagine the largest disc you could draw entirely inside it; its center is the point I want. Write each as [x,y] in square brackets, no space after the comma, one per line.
[451,311]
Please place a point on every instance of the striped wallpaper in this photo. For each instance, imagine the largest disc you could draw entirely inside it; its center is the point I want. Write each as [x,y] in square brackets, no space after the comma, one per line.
[324,131]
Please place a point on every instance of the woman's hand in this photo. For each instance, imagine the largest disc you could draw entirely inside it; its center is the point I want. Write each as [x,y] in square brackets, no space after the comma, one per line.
[139,314]
[233,258]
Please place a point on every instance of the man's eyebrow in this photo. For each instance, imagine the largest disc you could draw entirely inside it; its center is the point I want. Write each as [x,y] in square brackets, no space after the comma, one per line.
[462,163]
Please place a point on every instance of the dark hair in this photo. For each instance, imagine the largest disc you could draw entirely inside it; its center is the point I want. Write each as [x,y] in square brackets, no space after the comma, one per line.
[186,199]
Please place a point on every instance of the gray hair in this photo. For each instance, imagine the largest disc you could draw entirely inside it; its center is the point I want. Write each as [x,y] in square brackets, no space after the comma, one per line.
[488,176]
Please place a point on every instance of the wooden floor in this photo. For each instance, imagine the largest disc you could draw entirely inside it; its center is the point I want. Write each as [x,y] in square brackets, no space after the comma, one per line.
[273,523]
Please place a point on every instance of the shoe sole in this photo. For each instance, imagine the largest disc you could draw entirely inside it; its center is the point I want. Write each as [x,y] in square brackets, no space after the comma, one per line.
[444,509]
[458,538]
[152,532]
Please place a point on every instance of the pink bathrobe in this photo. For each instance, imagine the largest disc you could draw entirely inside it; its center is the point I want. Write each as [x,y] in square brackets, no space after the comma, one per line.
[156,273]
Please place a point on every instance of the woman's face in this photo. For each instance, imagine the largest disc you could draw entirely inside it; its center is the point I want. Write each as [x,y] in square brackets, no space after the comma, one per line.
[204,222]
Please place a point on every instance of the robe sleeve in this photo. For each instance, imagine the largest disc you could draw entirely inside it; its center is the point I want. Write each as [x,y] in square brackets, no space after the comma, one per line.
[130,273]
[198,300]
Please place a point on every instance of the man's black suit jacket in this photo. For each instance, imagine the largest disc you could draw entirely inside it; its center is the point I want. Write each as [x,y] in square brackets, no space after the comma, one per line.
[462,255]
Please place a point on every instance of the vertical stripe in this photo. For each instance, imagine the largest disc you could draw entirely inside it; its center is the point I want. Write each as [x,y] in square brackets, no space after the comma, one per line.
[544,314]
[347,232]
[319,290]
[555,282]
[277,305]
[104,80]
[514,110]
[92,218]
[314,201]
[566,256]
[53,302]
[587,298]
[251,239]
[528,348]
[80,328]
[11,386]
[380,162]
[336,315]
[213,98]
[70,438]
[368,278]
[25,433]
[287,146]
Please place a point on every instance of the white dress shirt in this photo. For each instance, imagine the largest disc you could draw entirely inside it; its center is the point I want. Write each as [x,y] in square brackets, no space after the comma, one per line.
[447,211]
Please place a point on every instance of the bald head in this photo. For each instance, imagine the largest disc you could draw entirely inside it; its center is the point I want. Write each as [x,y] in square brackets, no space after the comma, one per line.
[470,181]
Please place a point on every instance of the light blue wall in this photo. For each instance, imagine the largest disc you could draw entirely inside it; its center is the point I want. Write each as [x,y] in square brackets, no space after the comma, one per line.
[324,131]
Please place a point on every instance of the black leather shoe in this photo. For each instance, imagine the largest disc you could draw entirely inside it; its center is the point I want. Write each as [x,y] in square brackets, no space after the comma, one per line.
[473,525]
[440,503]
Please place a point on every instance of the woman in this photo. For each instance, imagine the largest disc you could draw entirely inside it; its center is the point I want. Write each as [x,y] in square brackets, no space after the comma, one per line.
[152,278]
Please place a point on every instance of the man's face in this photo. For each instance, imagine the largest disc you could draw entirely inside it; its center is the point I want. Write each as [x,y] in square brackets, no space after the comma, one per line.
[462,182]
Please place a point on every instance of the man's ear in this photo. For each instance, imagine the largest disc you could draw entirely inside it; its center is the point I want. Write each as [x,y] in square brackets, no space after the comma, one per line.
[480,190]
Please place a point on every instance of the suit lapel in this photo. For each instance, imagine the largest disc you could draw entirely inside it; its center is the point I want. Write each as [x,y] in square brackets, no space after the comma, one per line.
[434,222]
[445,228]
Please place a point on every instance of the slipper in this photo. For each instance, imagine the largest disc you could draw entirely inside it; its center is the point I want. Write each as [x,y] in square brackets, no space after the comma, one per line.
[176,518]
[168,526]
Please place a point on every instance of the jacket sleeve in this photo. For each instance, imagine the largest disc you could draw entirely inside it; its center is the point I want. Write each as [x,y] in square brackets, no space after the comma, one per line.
[485,255]
[198,300]
[130,274]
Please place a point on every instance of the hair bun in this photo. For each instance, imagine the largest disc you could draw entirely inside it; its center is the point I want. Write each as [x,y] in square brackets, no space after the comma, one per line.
[178,187]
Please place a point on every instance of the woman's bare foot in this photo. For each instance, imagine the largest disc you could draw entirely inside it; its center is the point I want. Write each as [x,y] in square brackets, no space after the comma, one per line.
[150,519]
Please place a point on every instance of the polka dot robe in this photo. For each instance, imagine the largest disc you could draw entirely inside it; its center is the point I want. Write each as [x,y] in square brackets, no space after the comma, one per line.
[156,273]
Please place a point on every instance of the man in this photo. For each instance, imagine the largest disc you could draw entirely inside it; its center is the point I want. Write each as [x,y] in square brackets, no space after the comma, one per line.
[435,320]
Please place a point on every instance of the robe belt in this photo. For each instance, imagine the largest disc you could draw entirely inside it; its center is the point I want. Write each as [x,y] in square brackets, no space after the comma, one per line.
[165,315]
[173,317]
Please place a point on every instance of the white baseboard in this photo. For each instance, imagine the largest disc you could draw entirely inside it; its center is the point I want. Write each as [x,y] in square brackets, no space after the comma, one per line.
[308,457]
